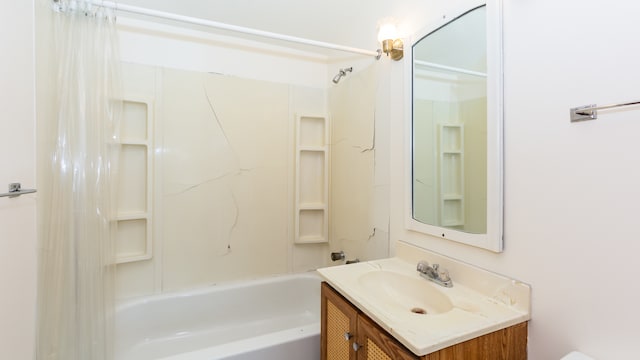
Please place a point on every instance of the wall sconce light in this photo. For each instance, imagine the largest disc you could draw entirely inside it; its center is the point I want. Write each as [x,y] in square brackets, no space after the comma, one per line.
[391,44]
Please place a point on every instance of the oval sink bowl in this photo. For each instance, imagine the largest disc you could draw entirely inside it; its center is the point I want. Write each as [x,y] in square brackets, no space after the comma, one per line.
[412,294]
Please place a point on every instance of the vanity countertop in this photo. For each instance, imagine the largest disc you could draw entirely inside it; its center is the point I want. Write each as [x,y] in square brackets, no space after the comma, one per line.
[480,302]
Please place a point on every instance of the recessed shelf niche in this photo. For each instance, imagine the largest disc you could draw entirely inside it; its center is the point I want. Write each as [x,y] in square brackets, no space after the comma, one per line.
[134,237]
[312,180]
[452,174]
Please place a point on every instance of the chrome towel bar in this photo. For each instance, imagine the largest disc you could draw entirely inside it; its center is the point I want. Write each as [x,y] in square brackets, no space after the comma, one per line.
[590,112]
[15,189]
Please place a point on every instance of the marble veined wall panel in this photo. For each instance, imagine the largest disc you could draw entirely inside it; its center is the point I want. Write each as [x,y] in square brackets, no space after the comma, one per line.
[357,197]
[224,153]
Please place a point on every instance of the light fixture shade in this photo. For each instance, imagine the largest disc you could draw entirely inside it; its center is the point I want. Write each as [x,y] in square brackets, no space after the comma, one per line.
[387,31]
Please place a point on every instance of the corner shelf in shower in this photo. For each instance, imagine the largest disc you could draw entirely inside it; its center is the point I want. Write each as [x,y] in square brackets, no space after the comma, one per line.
[312,180]
[134,218]
[452,174]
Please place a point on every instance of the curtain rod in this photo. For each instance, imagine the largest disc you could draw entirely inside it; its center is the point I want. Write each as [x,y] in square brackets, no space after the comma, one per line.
[240,29]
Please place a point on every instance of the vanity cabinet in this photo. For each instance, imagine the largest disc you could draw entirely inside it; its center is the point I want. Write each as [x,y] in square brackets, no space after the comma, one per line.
[348,334]
[376,344]
[339,323]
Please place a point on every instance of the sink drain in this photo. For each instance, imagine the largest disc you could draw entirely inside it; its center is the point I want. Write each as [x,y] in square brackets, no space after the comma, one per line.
[417,310]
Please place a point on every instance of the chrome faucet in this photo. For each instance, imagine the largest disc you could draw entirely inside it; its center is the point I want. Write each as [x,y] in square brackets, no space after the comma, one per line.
[433,273]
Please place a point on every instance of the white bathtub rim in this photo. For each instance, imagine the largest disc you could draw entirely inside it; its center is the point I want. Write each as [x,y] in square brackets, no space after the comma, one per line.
[125,304]
[250,344]
[137,309]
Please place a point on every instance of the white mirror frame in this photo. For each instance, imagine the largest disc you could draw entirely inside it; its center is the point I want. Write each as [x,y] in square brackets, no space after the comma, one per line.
[492,240]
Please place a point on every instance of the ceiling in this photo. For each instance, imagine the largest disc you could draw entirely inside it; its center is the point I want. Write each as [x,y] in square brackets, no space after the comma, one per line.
[345,22]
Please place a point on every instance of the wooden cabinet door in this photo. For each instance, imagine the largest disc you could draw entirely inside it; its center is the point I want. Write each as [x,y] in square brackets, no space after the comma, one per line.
[338,326]
[376,344]
[505,344]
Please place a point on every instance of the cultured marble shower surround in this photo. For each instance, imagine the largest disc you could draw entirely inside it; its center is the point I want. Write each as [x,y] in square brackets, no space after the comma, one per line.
[223,180]
[359,168]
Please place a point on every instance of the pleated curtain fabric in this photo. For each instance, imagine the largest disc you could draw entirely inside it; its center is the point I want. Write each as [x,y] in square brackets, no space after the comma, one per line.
[76,239]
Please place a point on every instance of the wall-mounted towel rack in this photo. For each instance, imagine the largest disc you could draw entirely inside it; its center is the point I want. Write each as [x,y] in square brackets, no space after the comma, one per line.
[15,189]
[590,112]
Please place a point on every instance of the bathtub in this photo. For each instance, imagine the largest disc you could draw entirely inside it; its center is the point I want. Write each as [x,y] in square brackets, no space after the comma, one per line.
[274,318]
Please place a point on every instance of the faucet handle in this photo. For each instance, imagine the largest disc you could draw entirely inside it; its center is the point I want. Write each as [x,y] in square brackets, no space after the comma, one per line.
[422,266]
[444,275]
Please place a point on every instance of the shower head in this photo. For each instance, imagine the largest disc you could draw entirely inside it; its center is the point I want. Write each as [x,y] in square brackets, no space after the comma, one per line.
[341,73]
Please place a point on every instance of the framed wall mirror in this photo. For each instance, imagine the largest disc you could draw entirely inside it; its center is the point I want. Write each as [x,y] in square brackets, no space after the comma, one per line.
[456,128]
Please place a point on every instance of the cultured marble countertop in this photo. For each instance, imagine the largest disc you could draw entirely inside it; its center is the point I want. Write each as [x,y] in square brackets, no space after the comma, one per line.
[483,302]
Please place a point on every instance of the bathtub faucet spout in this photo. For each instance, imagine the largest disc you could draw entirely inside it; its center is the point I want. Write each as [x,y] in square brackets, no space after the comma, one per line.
[335,256]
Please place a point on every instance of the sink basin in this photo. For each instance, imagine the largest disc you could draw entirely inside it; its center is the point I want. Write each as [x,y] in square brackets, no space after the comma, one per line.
[409,293]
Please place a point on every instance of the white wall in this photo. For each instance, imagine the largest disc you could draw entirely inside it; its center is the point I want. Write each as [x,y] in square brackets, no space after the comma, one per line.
[242,225]
[17,164]
[359,191]
[571,196]
[571,190]
[179,47]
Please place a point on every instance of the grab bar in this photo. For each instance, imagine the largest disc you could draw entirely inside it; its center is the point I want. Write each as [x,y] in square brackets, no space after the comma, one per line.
[15,190]
[590,112]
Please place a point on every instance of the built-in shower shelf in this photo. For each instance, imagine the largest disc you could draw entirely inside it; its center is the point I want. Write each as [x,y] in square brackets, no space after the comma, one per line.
[312,206]
[134,142]
[134,218]
[311,240]
[452,174]
[131,216]
[451,197]
[312,180]
[312,148]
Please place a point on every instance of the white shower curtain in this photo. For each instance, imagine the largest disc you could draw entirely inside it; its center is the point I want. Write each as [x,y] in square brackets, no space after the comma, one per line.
[76,252]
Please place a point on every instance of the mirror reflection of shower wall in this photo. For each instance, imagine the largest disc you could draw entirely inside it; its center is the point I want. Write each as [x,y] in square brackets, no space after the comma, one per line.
[450,126]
